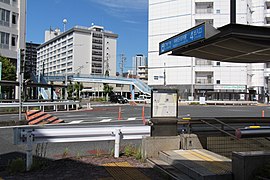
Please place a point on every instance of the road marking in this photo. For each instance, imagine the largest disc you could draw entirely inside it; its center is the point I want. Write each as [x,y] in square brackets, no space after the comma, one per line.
[75,122]
[105,120]
[131,119]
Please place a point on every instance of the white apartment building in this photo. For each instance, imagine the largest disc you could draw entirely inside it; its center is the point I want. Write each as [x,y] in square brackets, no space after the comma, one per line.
[80,50]
[212,79]
[12,27]
[139,66]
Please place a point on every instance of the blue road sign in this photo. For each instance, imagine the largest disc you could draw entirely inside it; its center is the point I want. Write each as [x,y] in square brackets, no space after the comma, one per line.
[194,34]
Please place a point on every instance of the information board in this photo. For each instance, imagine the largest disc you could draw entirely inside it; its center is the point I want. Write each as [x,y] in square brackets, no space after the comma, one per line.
[164,103]
[182,39]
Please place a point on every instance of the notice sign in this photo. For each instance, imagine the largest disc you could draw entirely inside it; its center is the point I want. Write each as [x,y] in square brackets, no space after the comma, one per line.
[164,103]
[192,35]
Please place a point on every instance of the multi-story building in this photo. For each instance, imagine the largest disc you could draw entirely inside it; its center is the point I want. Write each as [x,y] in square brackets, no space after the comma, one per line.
[12,27]
[200,77]
[30,59]
[84,50]
[139,66]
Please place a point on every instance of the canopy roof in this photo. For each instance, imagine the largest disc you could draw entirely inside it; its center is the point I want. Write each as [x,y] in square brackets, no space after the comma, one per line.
[234,43]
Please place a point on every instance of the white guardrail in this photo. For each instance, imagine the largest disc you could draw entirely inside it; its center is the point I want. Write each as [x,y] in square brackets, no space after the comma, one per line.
[41,104]
[34,135]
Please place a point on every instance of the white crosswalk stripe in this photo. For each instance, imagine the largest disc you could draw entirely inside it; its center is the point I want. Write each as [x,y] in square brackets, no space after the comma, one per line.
[75,122]
[106,120]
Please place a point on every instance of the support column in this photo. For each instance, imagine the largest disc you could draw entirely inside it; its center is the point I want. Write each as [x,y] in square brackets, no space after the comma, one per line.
[132,92]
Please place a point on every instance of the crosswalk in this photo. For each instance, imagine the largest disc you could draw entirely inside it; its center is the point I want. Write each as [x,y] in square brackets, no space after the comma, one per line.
[106,120]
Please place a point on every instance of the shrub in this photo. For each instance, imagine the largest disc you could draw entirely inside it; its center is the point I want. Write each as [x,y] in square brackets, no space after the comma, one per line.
[129,150]
[16,166]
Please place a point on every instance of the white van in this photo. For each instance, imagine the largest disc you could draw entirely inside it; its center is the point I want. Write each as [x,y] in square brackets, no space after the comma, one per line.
[147,98]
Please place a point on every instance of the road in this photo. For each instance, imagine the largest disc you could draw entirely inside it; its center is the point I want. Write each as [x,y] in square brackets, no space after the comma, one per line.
[110,113]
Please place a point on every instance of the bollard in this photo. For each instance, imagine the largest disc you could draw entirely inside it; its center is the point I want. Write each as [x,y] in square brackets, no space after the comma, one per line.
[119,114]
[143,118]
[262,113]
[29,149]
[117,143]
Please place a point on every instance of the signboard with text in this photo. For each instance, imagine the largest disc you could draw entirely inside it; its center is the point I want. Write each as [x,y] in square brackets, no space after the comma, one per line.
[182,39]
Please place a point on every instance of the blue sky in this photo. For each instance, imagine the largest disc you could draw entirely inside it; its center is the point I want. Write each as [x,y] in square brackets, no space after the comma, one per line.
[127,18]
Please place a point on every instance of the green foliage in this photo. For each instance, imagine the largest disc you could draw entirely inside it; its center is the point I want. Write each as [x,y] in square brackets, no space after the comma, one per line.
[112,152]
[38,164]
[129,150]
[194,103]
[8,69]
[74,89]
[65,153]
[107,89]
[138,154]
[16,166]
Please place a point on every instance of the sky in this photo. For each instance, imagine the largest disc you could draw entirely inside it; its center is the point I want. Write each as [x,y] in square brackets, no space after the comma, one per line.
[127,18]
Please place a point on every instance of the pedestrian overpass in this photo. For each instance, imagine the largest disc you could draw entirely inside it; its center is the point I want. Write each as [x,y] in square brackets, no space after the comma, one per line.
[134,83]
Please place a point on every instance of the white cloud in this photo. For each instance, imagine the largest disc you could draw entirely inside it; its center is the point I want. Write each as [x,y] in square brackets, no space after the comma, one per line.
[136,5]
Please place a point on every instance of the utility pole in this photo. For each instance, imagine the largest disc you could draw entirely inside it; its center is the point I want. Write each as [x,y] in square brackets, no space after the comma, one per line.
[20,69]
[123,60]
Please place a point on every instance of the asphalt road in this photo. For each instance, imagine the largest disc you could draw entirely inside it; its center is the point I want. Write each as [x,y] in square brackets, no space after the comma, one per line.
[109,113]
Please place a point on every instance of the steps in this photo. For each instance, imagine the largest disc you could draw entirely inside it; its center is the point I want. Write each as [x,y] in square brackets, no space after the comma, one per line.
[196,164]
[35,117]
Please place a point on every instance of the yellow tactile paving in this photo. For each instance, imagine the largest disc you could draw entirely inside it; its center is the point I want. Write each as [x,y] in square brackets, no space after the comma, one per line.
[206,162]
[125,171]
[225,164]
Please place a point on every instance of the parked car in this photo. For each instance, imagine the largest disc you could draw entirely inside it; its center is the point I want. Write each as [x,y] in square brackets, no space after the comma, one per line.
[146,98]
[118,99]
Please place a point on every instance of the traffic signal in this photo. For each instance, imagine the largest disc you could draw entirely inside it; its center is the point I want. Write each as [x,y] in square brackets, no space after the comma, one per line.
[22,58]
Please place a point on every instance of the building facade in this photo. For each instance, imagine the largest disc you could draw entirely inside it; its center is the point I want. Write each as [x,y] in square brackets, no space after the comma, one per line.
[30,59]
[12,27]
[140,67]
[80,50]
[195,77]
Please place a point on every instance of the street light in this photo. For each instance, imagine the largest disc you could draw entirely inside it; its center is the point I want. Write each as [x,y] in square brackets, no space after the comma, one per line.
[64,22]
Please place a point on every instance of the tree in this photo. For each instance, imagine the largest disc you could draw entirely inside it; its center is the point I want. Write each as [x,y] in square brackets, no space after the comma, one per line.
[8,69]
[107,90]
[78,87]
[8,74]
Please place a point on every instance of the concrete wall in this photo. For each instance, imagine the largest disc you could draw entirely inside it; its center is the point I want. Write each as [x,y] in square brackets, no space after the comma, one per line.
[245,164]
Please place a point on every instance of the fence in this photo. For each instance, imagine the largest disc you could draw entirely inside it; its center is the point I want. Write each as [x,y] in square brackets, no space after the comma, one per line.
[42,105]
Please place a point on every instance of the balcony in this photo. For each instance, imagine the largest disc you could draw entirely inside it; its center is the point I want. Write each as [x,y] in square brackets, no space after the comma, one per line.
[202,62]
[201,81]
[204,8]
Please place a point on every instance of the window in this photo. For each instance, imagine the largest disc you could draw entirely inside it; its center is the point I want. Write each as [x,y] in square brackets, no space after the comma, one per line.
[218,81]
[199,21]
[13,40]
[218,11]
[5,1]
[4,17]
[218,63]
[4,40]
[155,77]
[14,18]
[202,62]
[204,7]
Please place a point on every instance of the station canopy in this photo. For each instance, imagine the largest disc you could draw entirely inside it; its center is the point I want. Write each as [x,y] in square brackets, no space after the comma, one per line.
[230,43]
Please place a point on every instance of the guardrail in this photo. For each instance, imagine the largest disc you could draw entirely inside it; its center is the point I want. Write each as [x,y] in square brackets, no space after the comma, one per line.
[41,104]
[223,102]
[33,135]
